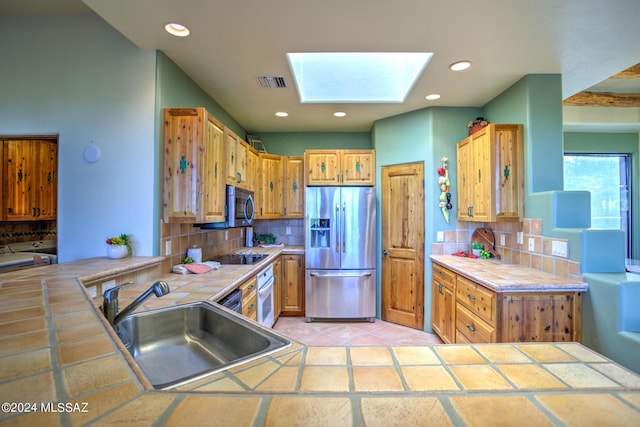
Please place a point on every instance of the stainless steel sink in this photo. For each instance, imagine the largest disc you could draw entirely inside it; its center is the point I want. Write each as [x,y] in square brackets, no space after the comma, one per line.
[176,345]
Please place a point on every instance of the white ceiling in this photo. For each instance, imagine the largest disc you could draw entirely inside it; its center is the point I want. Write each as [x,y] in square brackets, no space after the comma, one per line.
[232,42]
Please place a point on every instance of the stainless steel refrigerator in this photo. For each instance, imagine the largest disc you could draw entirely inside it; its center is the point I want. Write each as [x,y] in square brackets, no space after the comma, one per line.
[340,243]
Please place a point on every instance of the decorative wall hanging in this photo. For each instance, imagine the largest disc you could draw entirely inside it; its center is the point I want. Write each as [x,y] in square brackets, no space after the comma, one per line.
[445,197]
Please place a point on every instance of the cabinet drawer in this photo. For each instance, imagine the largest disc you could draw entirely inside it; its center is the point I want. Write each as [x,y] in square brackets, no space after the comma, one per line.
[478,299]
[472,327]
[250,306]
[443,275]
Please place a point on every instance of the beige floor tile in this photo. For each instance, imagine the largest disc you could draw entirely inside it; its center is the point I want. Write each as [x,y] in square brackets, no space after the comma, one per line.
[326,356]
[283,380]
[35,388]
[619,374]
[415,356]
[478,377]
[403,411]
[23,364]
[455,355]
[428,378]
[370,378]
[309,412]
[587,410]
[102,401]
[364,356]
[546,353]
[579,375]
[222,411]
[94,375]
[503,354]
[530,376]
[254,376]
[325,378]
[498,411]
[85,349]
[633,398]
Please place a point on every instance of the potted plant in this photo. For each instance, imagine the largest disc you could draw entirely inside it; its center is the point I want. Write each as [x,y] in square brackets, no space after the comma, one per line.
[476,248]
[119,247]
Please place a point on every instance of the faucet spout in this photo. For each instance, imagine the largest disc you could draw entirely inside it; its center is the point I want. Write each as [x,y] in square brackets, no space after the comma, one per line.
[110,304]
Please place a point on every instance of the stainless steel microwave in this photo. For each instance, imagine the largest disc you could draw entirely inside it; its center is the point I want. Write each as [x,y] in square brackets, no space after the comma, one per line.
[240,207]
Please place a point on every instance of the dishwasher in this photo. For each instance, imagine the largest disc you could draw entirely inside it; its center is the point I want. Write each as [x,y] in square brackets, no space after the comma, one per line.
[233,301]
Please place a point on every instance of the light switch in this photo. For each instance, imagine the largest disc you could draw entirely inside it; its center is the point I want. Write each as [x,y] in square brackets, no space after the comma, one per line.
[520,237]
[440,236]
[532,244]
[287,230]
[559,248]
[502,240]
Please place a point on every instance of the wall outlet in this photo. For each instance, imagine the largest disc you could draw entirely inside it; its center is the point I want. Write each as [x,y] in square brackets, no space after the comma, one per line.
[167,248]
[502,240]
[287,230]
[532,244]
[226,234]
[440,236]
[520,238]
[559,248]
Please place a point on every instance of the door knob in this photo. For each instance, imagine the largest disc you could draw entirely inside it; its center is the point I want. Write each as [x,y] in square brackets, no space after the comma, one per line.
[385,252]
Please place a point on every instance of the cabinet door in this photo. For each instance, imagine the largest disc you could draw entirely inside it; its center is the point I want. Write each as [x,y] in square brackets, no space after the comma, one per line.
[465,187]
[482,176]
[241,165]
[20,169]
[47,180]
[214,179]
[231,146]
[443,304]
[293,187]
[358,167]
[183,145]
[270,187]
[252,170]
[294,297]
[321,167]
[509,172]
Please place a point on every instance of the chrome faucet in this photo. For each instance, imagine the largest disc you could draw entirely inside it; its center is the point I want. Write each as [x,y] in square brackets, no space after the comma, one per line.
[110,303]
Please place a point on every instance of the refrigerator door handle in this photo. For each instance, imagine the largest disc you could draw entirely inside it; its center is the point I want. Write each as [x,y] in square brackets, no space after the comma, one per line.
[337,227]
[344,228]
[340,275]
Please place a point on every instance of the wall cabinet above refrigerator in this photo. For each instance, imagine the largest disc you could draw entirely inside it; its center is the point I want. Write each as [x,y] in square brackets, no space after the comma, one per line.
[340,167]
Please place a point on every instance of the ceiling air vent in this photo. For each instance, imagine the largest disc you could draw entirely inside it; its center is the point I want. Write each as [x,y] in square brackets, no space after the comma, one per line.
[271,82]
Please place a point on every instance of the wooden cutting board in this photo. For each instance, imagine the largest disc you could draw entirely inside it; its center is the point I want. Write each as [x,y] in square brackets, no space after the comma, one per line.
[486,237]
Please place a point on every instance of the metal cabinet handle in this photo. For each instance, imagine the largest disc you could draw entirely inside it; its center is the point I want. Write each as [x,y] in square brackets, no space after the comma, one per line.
[471,297]
[440,285]
[385,252]
[471,328]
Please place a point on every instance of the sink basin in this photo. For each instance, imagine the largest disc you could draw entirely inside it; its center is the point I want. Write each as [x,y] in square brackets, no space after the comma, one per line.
[176,345]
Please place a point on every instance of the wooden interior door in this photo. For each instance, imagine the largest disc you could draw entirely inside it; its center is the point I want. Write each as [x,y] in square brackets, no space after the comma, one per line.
[403,244]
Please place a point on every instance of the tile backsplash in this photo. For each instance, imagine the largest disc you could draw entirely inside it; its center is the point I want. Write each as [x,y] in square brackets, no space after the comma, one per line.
[27,231]
[540,258]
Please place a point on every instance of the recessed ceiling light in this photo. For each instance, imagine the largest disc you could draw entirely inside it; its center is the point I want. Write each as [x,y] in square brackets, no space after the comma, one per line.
[460,65]
[339,114]
[432,97]
[176,29]
[282,114]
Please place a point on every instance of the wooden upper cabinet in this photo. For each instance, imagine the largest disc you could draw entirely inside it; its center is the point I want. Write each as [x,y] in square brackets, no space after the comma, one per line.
[491,174]
[270,187]
[231,145]
[193,184]
[252,169]
[293,191]
[30,179]
[339,167]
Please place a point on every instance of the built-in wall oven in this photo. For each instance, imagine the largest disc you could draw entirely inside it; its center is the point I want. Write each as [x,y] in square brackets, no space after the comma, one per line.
[265,310]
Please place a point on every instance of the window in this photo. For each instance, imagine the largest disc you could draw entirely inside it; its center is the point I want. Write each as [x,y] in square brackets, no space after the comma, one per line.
[608,178]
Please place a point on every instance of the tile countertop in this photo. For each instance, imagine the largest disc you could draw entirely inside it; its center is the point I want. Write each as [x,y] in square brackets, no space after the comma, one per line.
[503,277]
[60,365]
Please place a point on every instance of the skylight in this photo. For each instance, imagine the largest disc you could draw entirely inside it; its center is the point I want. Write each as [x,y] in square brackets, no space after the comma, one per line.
[359,77]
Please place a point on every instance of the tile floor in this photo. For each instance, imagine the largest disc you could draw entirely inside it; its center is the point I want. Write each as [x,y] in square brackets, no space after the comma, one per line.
[352,333]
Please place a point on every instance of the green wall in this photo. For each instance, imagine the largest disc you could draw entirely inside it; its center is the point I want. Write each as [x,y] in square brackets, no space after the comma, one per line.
[295,143]
[616,143]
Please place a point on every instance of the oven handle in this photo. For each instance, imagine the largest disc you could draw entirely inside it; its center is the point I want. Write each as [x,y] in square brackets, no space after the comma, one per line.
[266,288]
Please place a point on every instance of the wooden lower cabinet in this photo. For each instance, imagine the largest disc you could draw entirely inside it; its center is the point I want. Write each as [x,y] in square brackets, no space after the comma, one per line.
[482,315]
[277,288]
[250,298]
[293,286]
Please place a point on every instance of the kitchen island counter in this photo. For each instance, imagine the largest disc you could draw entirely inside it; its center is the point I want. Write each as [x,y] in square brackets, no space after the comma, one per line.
[56,348]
